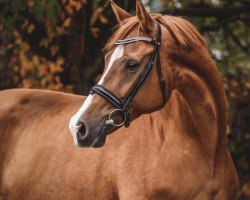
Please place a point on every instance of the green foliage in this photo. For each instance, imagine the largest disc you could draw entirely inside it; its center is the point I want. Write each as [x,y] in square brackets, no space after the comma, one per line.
[20,20]
[38,9]
[18,6]
[53,9]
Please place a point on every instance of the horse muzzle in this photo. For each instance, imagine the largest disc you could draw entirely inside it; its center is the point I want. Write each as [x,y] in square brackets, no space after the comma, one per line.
[91,128]
[92,137]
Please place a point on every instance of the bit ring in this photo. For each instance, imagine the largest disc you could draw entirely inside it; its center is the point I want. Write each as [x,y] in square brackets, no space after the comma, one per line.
[112,121]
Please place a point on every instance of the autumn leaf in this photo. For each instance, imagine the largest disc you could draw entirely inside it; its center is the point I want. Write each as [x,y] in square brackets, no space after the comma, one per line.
[103,19]
[35,60]
[95,15]
[64,2]
[27,83]
[25,24]
[60,61]
[54,68]
[31,28]
[42,70]
[95,32]
[10,46]
[24,46]
[62,16]
[30,3]
[67,22]
[84,2]
[69,10]
[246,190]
[16,79]
[248,84]
[44,43]
[54,50]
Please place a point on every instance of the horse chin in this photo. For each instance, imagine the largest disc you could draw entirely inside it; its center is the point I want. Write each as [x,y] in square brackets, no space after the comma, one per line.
[101,138]
[98,141]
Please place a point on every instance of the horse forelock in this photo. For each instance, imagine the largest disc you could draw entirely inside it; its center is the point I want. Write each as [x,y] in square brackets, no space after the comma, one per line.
[183,32]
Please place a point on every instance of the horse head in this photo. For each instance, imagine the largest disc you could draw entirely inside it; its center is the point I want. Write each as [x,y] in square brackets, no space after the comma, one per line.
[137,79]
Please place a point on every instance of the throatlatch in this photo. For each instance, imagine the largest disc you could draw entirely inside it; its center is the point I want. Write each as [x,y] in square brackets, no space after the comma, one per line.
[122,105]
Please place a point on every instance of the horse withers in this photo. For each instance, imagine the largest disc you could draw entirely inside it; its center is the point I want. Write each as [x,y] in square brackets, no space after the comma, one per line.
[162,85]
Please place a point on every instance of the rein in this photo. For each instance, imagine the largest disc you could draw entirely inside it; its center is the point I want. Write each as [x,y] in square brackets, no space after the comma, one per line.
[122,105]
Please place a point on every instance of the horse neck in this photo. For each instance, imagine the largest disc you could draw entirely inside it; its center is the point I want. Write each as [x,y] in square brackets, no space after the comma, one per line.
[198,103]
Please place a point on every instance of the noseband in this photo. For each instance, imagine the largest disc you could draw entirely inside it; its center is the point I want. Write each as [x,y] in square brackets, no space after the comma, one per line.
[122,105]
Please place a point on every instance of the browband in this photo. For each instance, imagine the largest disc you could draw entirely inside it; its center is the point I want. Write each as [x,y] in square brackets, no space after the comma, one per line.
[138,39]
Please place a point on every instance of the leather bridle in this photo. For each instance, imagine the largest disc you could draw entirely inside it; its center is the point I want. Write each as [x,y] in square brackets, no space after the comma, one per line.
[122,105]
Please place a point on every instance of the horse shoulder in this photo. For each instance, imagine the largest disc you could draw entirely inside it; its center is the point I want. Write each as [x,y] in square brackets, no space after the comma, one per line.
[25,116]
[20,107]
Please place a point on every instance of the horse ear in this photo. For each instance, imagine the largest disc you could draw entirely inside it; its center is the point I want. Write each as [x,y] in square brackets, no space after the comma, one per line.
[120,14]
[144,16]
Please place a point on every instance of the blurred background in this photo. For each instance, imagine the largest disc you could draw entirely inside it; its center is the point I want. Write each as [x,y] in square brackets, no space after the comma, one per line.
[57,45]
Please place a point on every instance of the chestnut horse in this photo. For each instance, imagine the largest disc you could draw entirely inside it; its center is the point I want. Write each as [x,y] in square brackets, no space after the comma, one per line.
[175,147]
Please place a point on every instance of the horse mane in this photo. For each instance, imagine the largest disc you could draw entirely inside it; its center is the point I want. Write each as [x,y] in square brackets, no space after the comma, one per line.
[185,36]
[184,33]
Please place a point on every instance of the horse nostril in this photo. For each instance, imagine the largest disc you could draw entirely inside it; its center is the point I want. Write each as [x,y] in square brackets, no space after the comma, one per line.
[82,131]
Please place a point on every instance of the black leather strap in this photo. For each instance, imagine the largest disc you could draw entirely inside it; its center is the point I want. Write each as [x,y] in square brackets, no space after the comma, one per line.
[138,84]
[147,70]
[108,95]
[137,39]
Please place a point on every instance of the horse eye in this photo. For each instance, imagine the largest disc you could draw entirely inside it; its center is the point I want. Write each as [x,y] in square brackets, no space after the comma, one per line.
[131,65]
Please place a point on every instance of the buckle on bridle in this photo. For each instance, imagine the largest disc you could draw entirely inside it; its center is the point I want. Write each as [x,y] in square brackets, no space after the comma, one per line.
[163,82]
[111,121]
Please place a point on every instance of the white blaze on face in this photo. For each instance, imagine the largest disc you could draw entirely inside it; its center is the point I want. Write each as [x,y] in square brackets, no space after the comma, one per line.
[118,53]
[73,125]
[74,121]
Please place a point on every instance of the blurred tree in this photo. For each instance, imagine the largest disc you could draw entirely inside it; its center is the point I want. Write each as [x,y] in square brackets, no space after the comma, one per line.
[50,42]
